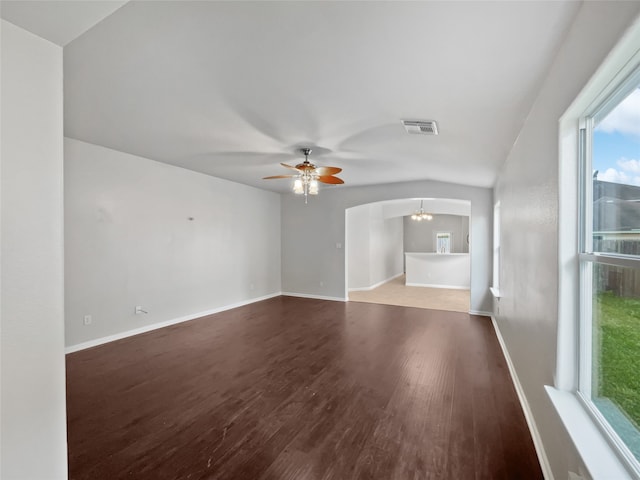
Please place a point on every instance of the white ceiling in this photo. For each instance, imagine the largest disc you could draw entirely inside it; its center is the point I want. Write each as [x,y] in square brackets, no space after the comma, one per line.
[408,206]
[233,88]
[58,21]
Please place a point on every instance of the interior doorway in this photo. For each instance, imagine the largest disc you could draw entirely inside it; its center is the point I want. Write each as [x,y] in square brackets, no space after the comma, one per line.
[394,259]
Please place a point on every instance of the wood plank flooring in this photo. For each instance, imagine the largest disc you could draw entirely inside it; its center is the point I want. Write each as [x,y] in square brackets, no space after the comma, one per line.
[293,388]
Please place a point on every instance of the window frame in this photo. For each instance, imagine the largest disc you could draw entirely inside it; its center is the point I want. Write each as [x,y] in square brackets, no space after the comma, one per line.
[444,235]
[587,428]
[496,248]
[587,258]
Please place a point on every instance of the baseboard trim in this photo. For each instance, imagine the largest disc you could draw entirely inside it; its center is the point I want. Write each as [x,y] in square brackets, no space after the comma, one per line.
[376,285]
[155,326]
[316,297]
[430,285]
[480,312]
[528,415]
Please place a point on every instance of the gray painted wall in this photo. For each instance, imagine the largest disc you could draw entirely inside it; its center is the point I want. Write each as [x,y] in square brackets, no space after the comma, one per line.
[320,225]
[374,246]
[387,259]
[527,189]
[421,236]
[357,244]
[129,241]
[32,379]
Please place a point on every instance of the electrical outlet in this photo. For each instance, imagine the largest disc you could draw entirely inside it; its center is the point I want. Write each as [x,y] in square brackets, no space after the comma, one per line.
[87,320]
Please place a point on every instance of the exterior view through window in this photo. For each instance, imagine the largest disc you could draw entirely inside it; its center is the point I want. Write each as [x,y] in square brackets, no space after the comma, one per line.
[610,266]
[443,242]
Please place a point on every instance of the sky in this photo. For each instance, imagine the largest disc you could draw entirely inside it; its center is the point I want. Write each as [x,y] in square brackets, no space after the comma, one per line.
[616,143]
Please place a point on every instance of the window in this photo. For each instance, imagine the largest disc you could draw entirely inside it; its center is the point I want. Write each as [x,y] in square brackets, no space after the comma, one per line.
[496,248]
[443,242]
[609,266]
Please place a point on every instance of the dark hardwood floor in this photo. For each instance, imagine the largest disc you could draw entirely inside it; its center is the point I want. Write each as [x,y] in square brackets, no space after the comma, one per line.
[293,388]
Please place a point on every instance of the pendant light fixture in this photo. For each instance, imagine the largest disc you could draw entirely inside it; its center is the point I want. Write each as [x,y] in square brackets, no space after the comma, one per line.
[420,215]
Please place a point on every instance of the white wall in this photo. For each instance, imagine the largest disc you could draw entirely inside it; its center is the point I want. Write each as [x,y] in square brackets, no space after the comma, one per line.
[357,241]
[437,270]
[129,241]
[374,246]
[389,260]
[32,400]
[421,236]
[527,189]
[320,224]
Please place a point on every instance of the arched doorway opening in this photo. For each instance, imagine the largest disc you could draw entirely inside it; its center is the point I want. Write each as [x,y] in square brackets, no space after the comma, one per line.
[394,259]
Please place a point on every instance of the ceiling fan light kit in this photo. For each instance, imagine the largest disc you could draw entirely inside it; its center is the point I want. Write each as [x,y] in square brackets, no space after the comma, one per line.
[311,187]
[306,181]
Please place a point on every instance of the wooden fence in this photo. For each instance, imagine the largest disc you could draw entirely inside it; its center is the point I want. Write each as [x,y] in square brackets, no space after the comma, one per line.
[624,282]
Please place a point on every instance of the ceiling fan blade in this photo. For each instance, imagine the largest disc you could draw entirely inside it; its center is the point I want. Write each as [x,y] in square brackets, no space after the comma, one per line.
[289,166]
[330,179]
[328,170]
[279,176]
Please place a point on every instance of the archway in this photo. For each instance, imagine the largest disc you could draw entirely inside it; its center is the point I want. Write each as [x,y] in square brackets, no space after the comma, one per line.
[390,258]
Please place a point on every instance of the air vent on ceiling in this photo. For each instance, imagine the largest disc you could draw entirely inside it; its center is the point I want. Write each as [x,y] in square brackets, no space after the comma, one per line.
[425,127]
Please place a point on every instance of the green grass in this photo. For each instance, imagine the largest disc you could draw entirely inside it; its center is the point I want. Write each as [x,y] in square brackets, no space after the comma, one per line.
[619,341]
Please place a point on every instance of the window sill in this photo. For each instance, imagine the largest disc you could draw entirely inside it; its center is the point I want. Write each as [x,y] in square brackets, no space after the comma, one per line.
[495,292]
[597,454]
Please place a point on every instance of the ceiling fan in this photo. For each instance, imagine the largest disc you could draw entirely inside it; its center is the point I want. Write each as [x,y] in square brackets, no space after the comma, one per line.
[308,175]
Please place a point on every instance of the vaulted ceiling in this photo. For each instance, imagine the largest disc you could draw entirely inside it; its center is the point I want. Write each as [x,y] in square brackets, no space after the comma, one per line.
[232,89]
